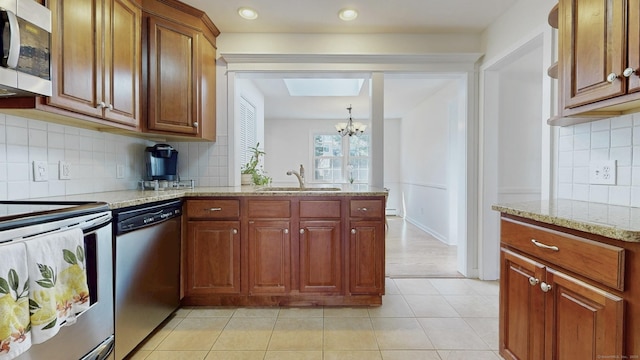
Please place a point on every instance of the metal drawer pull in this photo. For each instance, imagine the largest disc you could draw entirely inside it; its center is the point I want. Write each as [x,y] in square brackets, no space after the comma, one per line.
[353,231]
[545,287]
[541,245]
[362,209]
[533,281]
[215,209]
[286,231]
[301,231]
[235,231]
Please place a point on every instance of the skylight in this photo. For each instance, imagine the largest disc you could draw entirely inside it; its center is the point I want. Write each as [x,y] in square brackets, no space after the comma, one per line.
[324,87]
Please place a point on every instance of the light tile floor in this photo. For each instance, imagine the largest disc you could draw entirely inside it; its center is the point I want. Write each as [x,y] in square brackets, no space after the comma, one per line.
[420,319]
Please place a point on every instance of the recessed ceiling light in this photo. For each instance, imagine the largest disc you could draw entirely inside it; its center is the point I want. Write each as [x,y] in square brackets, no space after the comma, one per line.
[247,13]
[347,14]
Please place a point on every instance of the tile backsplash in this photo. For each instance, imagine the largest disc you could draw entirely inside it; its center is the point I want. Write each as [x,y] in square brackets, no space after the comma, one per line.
[93,157]
[610,139]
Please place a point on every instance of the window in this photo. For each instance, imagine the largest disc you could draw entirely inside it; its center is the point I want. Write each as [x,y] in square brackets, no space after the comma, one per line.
[247,129]
[338,159]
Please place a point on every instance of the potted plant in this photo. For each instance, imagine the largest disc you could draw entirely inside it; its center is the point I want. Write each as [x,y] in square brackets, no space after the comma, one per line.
[252,172]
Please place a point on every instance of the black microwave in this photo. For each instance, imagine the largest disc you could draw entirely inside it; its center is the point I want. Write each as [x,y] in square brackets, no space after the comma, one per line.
[25,65]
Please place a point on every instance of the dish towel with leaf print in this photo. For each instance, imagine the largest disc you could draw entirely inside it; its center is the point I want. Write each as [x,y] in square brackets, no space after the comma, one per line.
[57,282]
[15,337]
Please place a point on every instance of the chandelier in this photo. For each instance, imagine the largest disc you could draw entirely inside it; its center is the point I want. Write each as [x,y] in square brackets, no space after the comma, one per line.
[350,128]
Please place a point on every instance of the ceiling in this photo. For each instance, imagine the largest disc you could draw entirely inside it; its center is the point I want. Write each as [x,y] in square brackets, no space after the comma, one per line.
[402,93]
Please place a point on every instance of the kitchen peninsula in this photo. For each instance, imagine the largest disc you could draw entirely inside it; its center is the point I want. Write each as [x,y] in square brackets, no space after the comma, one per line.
[249,246]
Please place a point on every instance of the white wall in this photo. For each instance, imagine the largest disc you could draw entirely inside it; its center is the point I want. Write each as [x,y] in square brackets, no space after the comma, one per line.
[288,143]
[610,139]
[425,150]
[524,20]
[276,43]
[519,132]
[93,157]
[393,165]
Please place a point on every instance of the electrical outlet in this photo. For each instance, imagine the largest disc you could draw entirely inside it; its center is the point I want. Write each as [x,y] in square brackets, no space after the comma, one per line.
[119,171]
[64,170]
[40,171]
[602,172]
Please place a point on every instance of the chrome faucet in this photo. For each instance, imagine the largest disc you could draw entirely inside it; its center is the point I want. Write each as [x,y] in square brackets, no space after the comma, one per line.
[299,175]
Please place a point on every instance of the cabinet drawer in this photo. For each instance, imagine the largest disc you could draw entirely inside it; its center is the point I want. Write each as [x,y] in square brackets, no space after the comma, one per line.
[597,261]
[213,209]
[320,208]
[368,209]
[269,209]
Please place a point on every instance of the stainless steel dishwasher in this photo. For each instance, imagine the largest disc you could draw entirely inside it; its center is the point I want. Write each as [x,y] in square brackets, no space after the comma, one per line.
[147,270]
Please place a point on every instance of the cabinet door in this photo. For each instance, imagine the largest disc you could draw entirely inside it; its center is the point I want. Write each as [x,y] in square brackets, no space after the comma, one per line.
[582,322]
[366,257]
[633,43]
[592,46]
[269,257]
[320,256]
[122,64]
[172,77]
[207,98]
[213,257]
[521,307]
[76,55]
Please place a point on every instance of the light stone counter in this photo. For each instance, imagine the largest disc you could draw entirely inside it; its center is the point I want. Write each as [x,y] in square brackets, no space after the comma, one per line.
[616,222]
[126,198]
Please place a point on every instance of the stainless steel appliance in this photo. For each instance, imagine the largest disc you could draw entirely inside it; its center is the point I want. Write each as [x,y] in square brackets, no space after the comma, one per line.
[161,162]
[25,68]
[147,270]
[91,337]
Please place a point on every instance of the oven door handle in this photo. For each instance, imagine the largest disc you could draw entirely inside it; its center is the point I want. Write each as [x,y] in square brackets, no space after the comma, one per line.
[97,223]
[14,42]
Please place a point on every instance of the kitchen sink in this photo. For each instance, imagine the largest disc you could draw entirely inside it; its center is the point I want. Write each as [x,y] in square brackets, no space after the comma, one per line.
[296,189]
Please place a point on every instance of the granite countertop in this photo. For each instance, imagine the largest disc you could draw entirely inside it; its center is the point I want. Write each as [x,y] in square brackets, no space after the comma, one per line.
[612,221]
[126,198]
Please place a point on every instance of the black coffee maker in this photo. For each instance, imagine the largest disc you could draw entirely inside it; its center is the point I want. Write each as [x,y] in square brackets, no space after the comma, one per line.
[161,162]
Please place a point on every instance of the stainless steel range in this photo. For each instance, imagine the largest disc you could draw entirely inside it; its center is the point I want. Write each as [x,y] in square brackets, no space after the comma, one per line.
[91,336]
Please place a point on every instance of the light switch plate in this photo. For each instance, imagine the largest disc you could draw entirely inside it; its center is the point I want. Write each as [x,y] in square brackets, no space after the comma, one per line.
[119,171]
[64,170]
[40,171]
[602,172]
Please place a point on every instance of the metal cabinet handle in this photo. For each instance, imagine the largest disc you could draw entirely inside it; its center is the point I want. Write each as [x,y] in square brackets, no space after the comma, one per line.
[362,209]
[544,246]
[286,231]
[301,231]
[215,209]
[195,124]
[235,231]
[545,287]
[110,107]
[353,231]
[612,77]
[101,105]
[533,281]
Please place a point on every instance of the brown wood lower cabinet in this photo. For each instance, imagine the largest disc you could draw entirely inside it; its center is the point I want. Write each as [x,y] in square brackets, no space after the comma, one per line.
[320,256]
[284,250]
[367,257]
[549,312]
[269,257]
[213,257]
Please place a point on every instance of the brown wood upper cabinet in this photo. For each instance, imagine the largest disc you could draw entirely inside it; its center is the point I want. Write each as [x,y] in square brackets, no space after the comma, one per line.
[95,57]
[179,71]
[599,57]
